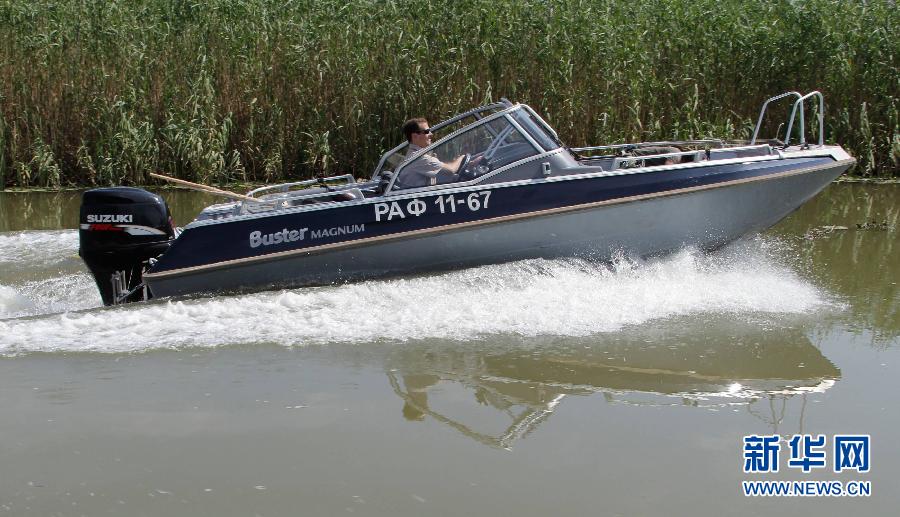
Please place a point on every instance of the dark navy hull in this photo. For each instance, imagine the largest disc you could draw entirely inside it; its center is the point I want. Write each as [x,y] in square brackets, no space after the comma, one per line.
[589,214]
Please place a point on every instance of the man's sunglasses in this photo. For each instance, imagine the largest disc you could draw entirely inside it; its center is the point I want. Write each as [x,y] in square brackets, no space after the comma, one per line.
[423,132]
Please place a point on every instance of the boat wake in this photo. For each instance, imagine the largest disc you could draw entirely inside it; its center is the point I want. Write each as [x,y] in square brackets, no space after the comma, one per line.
[41,273]
[36,249]
[42,305]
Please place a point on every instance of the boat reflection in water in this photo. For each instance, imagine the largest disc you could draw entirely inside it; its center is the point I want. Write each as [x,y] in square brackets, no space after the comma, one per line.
[511,389]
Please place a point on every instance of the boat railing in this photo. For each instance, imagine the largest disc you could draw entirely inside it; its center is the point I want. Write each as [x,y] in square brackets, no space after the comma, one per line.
[285,187]
[614,147]
[284,195]
[280,201]
[820,115]
[798,103]
[619,160]
[761,149]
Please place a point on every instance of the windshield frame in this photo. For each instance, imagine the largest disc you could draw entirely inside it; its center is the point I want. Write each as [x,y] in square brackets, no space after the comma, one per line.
[541,128]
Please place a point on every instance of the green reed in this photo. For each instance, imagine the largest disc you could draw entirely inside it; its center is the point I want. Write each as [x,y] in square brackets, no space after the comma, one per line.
[99,92]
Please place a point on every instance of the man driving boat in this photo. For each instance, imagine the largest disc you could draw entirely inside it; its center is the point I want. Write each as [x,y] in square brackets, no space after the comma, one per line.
[426,170]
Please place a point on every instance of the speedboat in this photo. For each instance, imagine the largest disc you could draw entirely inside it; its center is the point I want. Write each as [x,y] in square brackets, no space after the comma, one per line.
[518,193]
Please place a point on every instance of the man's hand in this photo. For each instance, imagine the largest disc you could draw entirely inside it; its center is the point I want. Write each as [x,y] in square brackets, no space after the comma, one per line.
[454,165]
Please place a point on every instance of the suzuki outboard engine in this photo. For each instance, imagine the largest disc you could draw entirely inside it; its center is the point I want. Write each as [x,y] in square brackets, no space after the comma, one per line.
[121,229]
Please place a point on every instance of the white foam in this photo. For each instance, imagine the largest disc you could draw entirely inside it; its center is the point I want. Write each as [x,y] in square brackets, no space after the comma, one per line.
[528,298]
[68,292]
[41,273]
[12,303]
[37,248]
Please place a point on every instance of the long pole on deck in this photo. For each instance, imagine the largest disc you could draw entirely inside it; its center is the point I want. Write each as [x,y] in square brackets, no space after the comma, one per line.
[204,188]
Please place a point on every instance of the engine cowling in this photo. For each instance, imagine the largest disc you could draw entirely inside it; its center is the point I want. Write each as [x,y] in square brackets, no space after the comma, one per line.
[121,229]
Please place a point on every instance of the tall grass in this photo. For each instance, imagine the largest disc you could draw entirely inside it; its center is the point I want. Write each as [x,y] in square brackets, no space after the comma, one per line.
[98,92]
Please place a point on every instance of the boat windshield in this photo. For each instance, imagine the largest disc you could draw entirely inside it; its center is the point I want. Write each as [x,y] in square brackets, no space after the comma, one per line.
[393,158]
[466,156]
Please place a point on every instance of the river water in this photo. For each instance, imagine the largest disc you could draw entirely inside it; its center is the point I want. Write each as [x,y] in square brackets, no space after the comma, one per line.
[532,388]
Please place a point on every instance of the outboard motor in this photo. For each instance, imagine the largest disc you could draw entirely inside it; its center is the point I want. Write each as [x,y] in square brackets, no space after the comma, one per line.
[121,229]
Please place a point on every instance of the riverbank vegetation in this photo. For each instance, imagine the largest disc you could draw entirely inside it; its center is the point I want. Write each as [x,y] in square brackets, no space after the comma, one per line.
[101,92]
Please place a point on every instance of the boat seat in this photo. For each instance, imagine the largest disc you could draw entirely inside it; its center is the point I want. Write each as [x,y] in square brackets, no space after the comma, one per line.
[384,180]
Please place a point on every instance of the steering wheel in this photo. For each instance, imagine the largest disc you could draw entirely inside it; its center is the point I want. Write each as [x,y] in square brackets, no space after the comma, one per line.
[461,173]
[463,163]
